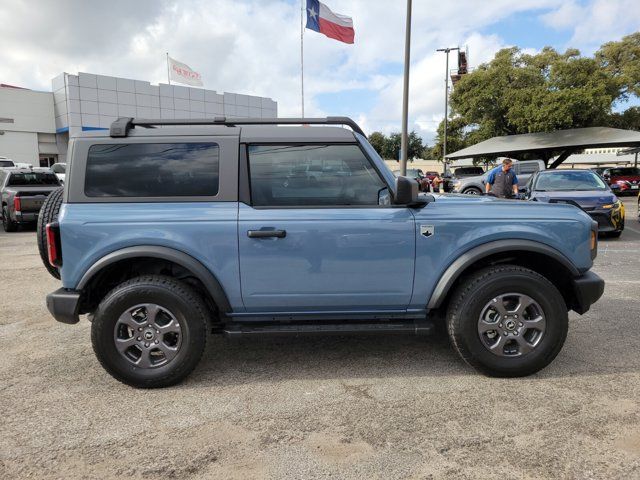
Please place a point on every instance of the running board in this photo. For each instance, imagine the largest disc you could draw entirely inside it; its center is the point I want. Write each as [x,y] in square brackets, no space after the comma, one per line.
[422,327]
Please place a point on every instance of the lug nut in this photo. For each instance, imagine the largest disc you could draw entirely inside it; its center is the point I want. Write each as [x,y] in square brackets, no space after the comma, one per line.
[521,324]
[505,334]
[138,338]
[500,325]
[505,316]
[146,344]
[516,316]
[157,341]
[139,329]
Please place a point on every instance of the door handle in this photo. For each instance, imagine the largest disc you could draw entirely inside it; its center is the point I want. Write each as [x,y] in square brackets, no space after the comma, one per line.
[266,233]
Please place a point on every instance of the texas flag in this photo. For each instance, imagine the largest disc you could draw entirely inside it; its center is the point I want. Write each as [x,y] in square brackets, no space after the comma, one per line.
[321,19]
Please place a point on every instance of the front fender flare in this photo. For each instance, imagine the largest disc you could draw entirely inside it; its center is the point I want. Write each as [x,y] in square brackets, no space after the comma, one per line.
[201,272]
[453,272]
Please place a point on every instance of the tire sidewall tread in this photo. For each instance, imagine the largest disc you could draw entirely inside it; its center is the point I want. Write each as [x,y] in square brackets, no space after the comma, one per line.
[474,292]
[180,299]
[48,214]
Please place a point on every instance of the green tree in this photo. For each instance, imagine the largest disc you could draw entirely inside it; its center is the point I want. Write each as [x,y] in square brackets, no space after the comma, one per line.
[621,61]
[456,137]
[520,93]
[627,120]
[415,146]
[377,141]
[393,143]
[392,147]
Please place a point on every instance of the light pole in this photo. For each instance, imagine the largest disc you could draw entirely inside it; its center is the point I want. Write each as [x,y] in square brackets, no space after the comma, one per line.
[446,103]
[404,139]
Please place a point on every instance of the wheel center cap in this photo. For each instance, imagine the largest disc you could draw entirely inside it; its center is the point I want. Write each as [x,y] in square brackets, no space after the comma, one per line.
[148,335]
[510,324]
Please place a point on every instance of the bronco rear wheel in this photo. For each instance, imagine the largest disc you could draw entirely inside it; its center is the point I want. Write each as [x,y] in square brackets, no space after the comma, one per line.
[48,214]
[150,331]
[507,321]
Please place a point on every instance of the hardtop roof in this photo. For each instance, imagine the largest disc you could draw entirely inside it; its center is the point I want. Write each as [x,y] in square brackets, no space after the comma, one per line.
[246,133]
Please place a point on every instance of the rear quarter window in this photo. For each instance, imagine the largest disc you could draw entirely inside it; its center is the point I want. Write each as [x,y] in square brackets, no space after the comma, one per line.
[153,170]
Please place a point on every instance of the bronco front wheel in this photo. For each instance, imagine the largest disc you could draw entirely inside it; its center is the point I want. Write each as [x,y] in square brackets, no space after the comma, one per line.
[507,321]
[150,331]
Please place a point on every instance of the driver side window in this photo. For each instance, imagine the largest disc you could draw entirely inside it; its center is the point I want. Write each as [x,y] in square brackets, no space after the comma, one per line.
[312,175]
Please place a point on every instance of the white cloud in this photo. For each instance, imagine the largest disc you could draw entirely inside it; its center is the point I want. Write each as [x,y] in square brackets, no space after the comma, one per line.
[596,21]
[253,46]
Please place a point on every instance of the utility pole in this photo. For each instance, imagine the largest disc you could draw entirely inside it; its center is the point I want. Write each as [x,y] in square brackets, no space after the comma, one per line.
[446,103]
[404,142]
[302,56]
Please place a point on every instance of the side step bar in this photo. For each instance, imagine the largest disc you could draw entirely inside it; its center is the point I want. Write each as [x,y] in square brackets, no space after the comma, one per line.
[421,327]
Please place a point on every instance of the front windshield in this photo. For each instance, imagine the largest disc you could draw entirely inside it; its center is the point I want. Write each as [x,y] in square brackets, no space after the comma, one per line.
[572,181]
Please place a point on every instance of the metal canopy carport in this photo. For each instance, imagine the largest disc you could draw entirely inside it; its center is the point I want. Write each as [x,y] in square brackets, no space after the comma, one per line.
[564,142]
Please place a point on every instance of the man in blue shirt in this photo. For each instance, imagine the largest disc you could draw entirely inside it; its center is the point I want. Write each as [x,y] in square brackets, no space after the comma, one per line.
[502,181]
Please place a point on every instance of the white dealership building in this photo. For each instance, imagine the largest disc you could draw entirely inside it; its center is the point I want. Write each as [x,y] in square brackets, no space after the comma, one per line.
[35,126]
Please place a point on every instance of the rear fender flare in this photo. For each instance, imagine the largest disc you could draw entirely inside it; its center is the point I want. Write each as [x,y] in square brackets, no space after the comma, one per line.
[201,272]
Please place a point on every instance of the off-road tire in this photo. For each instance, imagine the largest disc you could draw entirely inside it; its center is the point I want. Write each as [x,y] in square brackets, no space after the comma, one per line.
[7,224]
[187,306]
[481,287]
[48,214]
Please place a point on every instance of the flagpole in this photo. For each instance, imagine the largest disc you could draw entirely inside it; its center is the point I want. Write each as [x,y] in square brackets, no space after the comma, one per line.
[302,56]
[168,76]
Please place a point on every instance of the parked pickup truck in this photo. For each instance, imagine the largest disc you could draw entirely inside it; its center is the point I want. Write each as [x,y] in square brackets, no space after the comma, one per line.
[23,192]
[216,225]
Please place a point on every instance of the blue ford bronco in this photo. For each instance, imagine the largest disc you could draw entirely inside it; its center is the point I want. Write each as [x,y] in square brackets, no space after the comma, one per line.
[169,229]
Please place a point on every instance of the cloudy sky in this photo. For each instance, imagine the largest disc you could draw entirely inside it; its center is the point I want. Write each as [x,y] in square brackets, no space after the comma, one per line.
[253,47]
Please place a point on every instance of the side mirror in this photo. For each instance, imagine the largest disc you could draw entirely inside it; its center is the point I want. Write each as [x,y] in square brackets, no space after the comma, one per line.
[407,190]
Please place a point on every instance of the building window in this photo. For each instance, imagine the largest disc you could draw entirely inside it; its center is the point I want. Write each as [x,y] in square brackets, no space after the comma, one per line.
[47,160]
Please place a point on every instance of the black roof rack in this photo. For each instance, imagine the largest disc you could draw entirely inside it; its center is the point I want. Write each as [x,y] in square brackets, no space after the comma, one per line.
[121,126]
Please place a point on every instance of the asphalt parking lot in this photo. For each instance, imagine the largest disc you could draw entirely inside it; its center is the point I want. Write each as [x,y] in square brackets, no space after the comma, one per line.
[308,407]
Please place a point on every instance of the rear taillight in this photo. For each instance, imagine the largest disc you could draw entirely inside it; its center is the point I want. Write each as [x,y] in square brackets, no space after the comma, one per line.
[17,205]
[53,244]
